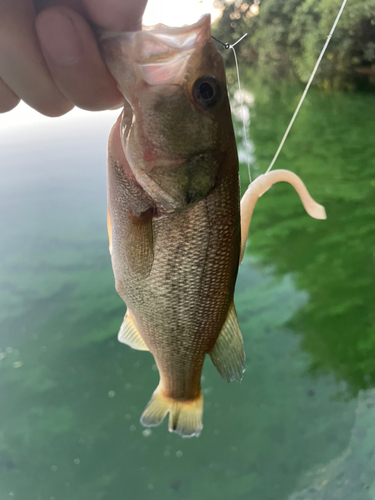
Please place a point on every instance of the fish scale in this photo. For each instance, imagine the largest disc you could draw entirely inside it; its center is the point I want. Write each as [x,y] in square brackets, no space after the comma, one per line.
[174,225]
[188,303]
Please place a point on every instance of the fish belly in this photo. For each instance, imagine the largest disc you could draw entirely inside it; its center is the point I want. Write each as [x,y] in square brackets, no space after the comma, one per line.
[180,295]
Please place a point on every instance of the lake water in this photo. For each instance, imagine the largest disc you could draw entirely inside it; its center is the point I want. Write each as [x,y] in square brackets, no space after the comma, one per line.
[301,425]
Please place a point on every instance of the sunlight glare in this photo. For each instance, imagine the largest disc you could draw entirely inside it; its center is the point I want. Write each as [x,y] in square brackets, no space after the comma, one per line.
[167,12]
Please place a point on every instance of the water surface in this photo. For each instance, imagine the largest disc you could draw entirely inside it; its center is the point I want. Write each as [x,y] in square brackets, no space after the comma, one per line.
[301,425]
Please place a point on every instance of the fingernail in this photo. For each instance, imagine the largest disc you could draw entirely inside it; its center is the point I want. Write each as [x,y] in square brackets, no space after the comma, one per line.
[59,38]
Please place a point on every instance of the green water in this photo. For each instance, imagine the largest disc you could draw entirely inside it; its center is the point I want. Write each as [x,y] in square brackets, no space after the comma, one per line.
[301,425]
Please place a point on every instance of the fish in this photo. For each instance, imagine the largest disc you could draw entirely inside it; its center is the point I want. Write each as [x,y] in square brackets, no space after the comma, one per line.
[176,234]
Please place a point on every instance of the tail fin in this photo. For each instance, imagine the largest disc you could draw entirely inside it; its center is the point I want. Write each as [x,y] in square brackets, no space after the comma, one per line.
[185,417]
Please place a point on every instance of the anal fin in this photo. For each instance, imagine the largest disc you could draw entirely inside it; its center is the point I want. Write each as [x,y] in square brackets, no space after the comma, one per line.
[228,353]
[130,335]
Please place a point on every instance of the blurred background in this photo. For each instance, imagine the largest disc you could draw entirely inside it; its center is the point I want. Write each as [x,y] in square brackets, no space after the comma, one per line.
[301,425]
[286,37]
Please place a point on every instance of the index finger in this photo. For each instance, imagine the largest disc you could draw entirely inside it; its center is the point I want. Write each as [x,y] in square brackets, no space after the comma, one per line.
[22,66]
[72,54]
[116,15]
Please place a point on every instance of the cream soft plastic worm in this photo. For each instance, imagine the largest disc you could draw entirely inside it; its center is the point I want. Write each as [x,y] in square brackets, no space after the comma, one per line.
[261,185]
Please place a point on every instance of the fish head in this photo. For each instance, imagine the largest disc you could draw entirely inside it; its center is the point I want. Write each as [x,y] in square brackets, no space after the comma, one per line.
[176,123]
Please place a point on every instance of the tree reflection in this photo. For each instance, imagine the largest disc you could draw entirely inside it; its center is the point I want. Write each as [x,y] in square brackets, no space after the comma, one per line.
[332,148]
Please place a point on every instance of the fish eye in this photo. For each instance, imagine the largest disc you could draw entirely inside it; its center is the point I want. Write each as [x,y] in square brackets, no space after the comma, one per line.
[206,91]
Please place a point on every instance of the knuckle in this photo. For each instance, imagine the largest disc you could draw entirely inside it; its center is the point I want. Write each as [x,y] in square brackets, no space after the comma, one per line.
[54,109]
[8,104]
[97,99]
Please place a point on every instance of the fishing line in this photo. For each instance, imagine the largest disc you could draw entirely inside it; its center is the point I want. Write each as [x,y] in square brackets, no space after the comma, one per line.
[231,46]
[307,86]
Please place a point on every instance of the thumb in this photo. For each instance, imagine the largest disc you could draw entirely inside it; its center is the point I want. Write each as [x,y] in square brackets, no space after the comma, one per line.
[116,15]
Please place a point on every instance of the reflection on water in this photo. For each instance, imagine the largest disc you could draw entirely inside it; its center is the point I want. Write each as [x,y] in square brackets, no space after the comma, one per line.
[351,474]
[71,396]
[332,149]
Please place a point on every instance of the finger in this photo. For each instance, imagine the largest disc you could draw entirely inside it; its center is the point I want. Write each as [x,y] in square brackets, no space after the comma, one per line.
[22,66]
[74,61]
[116,15]
[8,99]
[71,4]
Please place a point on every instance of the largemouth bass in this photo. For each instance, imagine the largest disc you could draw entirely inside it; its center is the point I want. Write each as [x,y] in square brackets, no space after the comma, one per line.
[174,212]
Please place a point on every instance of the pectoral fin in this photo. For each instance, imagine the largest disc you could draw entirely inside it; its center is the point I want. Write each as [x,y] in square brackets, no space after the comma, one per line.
[139,245]
[130,335]
[228,354]
[130,209]
[262,184]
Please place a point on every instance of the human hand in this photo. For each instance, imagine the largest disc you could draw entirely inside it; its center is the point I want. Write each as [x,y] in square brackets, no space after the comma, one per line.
[49,57]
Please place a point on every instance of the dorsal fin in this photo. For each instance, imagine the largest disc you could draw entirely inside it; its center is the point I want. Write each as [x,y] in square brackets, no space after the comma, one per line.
[228,354]
[130,335]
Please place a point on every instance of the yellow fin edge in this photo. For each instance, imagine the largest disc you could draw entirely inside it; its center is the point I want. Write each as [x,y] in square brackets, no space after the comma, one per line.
[185,417]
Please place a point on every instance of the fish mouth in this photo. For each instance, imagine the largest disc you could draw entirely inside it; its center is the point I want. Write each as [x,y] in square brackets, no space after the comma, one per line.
[157,54]
[184,37]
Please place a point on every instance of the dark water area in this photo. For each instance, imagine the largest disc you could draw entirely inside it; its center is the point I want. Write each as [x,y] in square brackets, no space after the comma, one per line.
[301,425]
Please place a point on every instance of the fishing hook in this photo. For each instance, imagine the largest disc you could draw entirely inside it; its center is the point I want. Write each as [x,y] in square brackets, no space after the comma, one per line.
[228,45]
